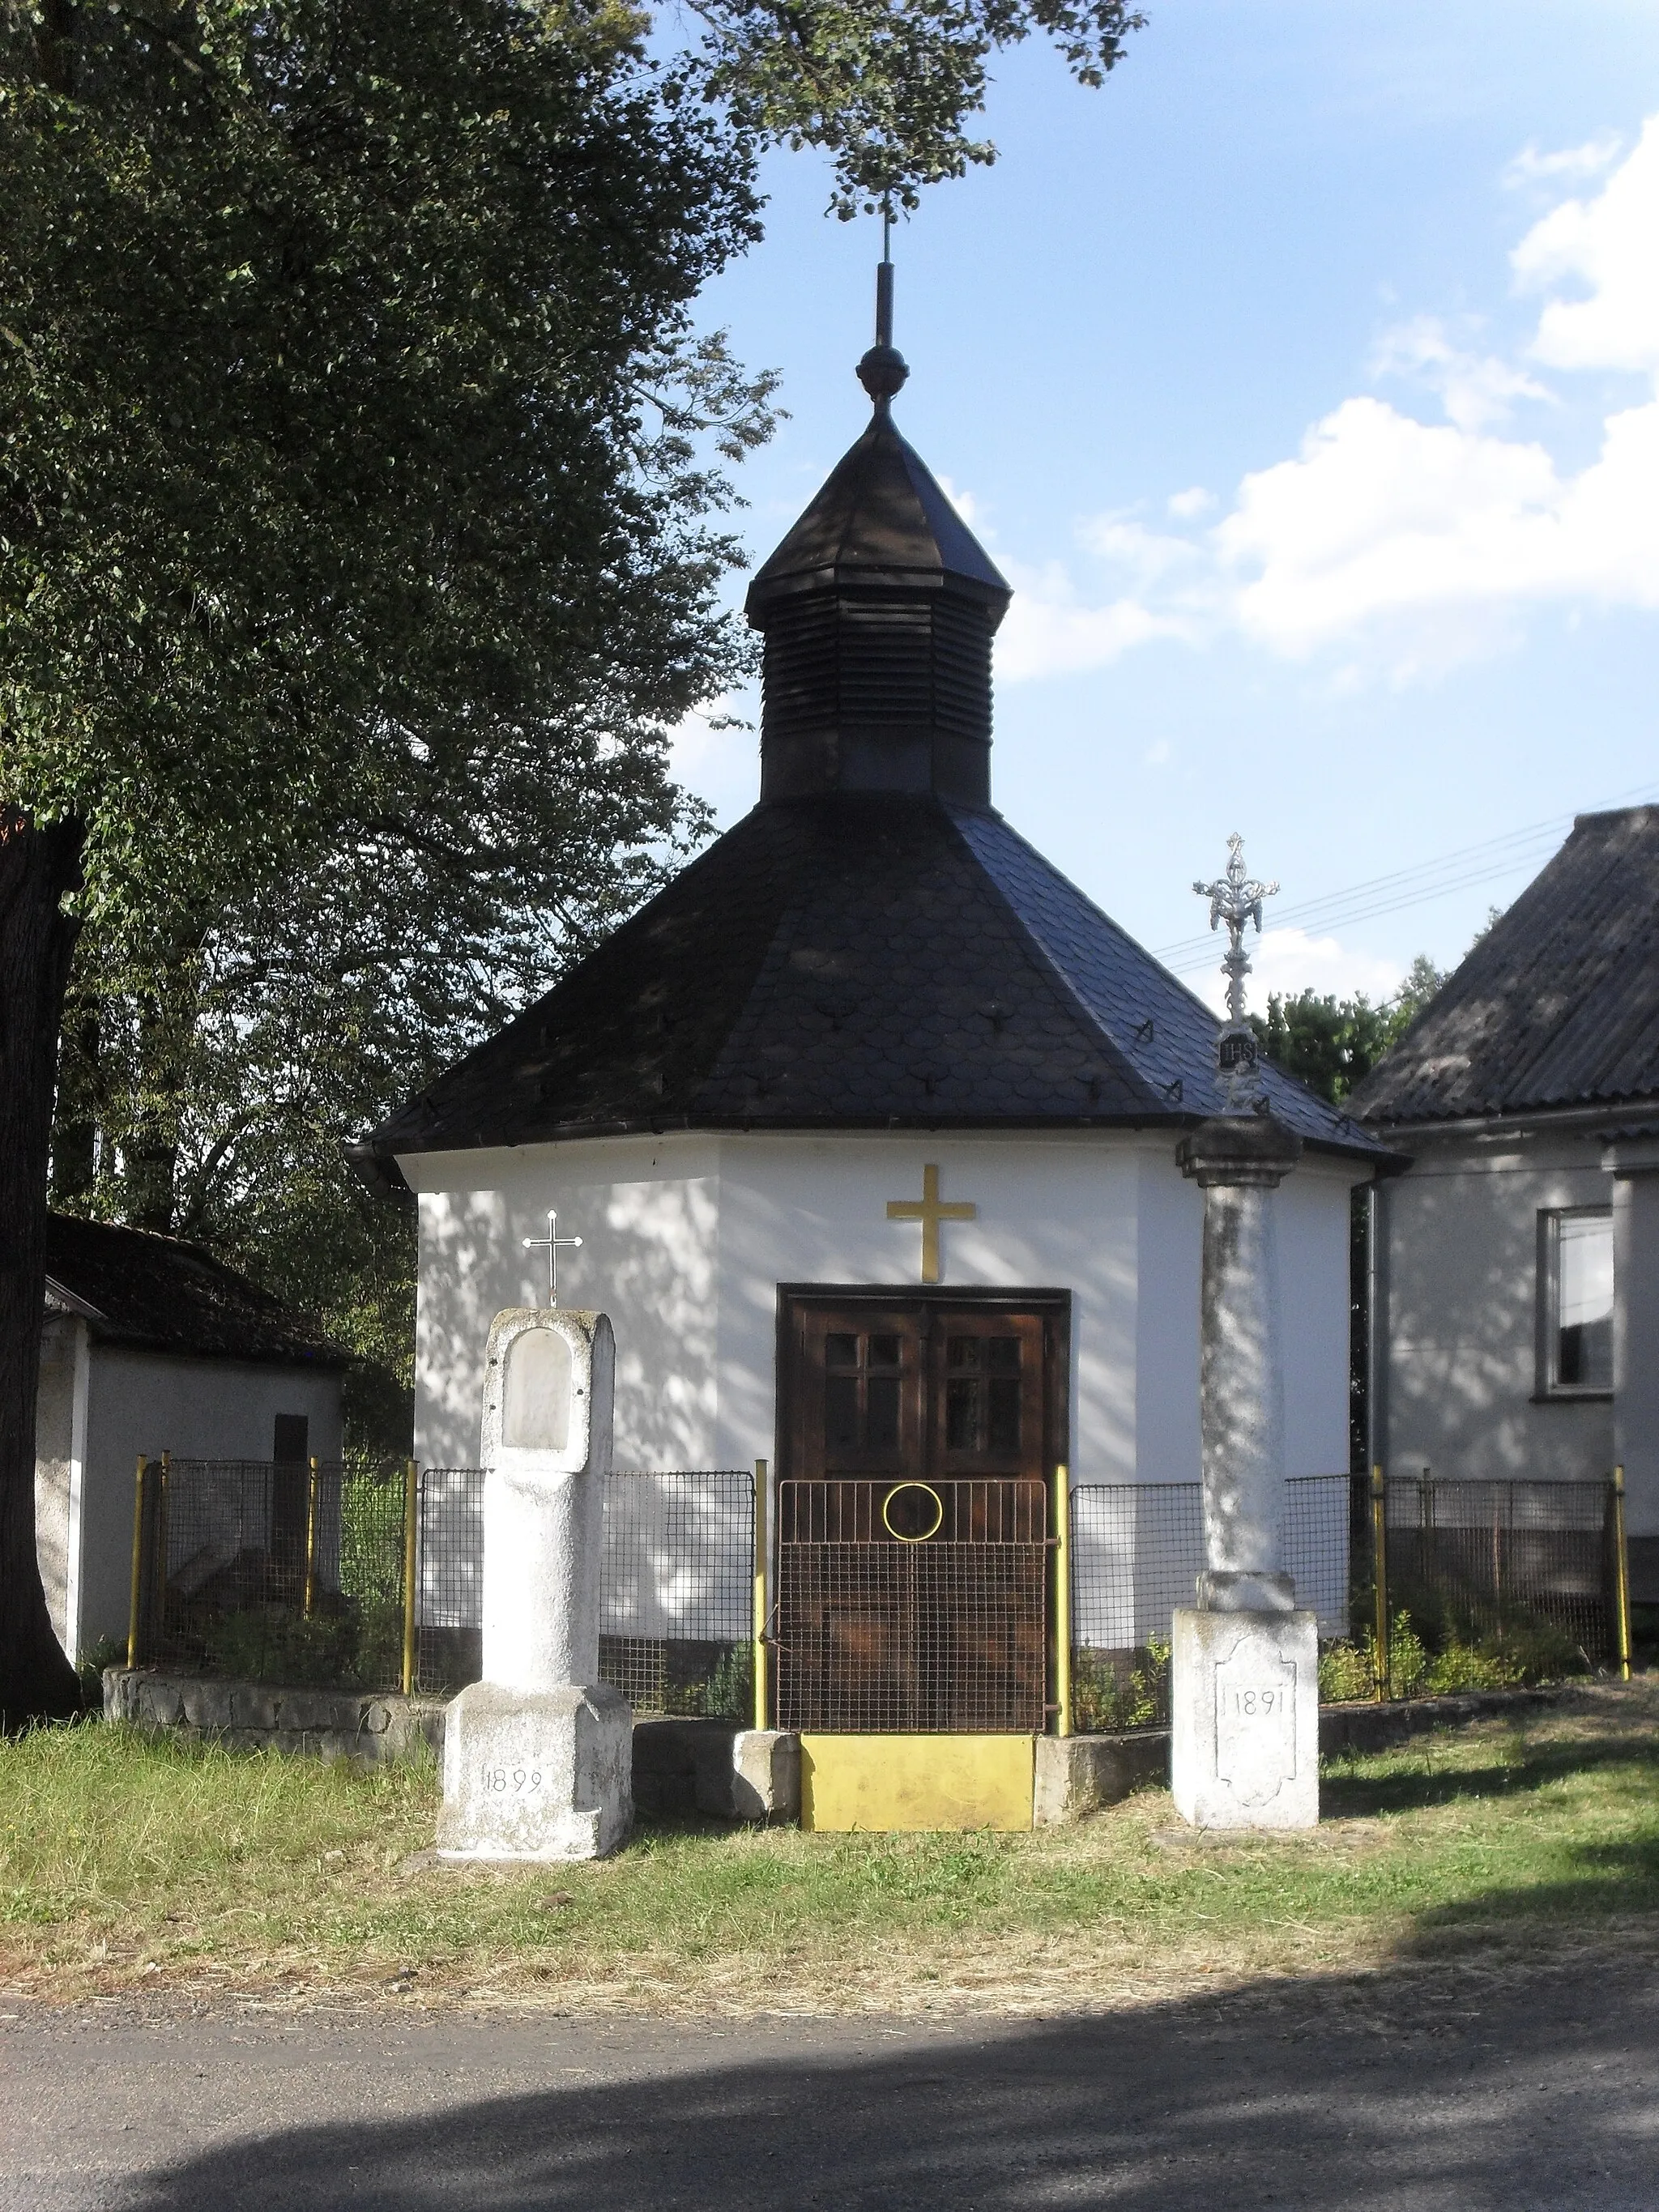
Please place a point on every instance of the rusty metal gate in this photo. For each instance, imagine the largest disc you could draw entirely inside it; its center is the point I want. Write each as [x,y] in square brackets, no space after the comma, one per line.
[912,1606]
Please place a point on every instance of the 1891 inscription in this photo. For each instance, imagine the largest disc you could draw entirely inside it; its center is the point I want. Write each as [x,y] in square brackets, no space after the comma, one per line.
[1255,1724]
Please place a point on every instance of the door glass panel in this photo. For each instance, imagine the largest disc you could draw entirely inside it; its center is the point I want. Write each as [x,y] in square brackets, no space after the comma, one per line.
[961,1413]
[883,1351]
[1003,1355]
[841,1413]
[1005,1414]
[884,1412]
[841,1351]
[963,1351]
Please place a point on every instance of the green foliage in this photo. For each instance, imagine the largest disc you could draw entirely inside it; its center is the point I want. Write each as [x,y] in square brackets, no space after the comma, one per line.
[1113,1690]
[107,1651]
[347,1647]
[1444,1662]
[1347,1672]
[886,89]
[729,1692]
[355,557]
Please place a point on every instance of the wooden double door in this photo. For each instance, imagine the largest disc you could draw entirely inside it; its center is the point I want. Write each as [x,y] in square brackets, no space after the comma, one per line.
[919,1432]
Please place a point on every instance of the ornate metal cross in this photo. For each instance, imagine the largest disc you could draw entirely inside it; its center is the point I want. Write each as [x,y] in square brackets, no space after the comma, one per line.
[930,1210]
[1235,899]
[552,1244]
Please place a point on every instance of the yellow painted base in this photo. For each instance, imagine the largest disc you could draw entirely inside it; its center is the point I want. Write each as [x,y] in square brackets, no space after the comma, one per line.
[909,1783]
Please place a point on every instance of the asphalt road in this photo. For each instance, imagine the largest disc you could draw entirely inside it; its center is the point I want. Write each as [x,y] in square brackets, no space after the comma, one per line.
[1531,2090]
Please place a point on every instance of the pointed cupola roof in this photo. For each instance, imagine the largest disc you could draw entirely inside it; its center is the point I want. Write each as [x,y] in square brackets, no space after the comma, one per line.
[871,947]
[879,610]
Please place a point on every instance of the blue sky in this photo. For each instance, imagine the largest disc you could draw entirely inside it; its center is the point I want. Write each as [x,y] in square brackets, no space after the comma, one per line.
[1303,381]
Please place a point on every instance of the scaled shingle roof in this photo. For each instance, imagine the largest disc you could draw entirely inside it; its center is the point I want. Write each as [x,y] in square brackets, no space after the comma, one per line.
[855,960]
[163,1295]
[1558,1005]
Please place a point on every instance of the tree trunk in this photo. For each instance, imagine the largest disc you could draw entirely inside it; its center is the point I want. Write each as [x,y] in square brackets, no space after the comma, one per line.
[37,867]
[74,1131]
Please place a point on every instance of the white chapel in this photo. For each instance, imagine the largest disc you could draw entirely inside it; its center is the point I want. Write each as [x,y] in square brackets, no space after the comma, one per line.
[868,1123]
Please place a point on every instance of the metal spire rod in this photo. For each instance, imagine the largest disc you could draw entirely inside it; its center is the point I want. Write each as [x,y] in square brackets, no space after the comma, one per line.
[885,282]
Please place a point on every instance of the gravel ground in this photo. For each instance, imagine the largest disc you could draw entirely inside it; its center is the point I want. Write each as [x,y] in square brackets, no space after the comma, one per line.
[1532,2088]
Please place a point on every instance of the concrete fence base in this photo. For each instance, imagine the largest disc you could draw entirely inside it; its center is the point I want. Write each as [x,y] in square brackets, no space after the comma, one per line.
[683,1767]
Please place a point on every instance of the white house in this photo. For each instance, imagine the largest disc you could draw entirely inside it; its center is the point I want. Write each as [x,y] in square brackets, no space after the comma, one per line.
[868,1123]
[1516,1307]
[152,1345]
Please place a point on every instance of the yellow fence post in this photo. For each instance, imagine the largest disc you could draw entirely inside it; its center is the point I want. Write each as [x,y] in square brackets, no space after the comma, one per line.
[311,1542]
[1380,1576]
[1063,1600]
[412,1522]
[1620,1574]
[762,1700]
[137,1604]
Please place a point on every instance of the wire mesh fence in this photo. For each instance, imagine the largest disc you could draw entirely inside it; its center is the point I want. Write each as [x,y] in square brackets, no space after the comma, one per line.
[912,1606]
[1482,1581]
[1137,1549]
[1524,1567]
[675,1615]
[297,1574]
[272,1572]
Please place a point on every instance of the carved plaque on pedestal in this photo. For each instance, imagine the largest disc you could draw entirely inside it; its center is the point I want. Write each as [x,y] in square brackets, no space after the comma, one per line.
[1255,1724]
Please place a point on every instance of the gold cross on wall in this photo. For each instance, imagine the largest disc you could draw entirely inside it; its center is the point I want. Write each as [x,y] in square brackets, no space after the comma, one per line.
[930,1210]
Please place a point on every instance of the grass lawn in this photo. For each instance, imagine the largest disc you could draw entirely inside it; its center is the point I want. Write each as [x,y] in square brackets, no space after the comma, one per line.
[132,1863]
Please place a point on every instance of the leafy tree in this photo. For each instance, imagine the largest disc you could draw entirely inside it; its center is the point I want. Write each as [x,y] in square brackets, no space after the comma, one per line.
[348,510]
[1331,1044]
[353,530]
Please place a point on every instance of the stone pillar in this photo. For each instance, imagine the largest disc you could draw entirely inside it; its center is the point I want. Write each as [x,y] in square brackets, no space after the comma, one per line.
[537,1756]
[1244,1678]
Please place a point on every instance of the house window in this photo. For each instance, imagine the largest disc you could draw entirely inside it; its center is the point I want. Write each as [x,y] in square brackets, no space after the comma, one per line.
[1577,1293]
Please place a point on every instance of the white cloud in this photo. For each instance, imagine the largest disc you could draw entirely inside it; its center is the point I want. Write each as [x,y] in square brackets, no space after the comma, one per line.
[1187,506]
[1607,245]
[1047,632]
[1530,166]
[1475,389]
[1403,545]
[1160,754]
[1289,961]
[964,503]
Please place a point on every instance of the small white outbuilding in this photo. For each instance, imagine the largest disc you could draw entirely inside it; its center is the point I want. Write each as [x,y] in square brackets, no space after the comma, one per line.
[151,1345]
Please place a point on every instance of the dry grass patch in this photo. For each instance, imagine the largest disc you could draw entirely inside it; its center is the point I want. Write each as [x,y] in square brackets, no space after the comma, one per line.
[133,1862]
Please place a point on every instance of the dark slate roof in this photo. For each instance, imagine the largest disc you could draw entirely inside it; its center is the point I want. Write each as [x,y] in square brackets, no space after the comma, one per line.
[880,514]
[851,961]
[161,1294]
[1558,1005]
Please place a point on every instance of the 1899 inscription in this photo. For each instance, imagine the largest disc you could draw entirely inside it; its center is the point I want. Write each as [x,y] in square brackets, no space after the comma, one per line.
[516,1781]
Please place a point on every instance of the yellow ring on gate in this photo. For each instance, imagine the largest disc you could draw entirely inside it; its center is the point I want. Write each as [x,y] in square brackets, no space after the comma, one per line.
[927,1491]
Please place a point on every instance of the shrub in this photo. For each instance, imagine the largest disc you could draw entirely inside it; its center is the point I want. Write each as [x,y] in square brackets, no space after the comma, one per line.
[1110,1692]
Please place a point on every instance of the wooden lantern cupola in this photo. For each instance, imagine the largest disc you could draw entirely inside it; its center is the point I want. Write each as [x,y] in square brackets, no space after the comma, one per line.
[878,612]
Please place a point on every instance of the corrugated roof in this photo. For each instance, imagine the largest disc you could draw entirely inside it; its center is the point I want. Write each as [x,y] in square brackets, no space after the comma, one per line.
[852,961]
[1558,1005]
[165,1295]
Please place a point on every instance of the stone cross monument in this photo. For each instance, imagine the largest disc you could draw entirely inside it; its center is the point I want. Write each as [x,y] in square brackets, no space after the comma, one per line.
[1244,1681]
[537,1756]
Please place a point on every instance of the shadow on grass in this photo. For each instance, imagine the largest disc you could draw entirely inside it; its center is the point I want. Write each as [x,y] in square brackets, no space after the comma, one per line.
[1614,1878]
[1356,1796]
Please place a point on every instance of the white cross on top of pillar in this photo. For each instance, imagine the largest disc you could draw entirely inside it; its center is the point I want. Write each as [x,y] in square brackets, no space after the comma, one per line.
[930,1210]
[552,1244]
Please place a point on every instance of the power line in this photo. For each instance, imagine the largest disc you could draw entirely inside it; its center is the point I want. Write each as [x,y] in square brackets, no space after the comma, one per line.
[1460,870]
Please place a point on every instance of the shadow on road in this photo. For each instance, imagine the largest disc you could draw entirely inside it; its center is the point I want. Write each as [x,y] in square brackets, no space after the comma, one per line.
[1403,2090]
